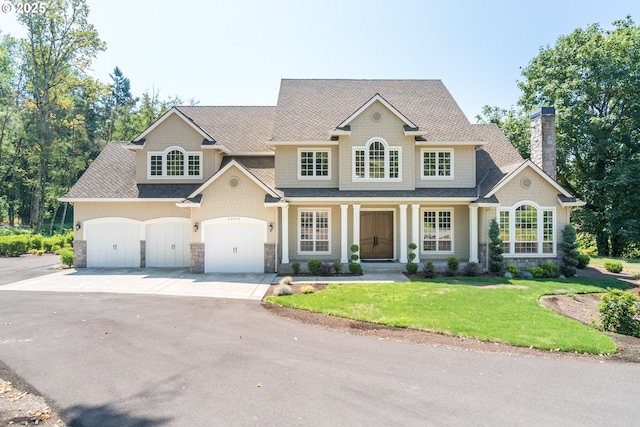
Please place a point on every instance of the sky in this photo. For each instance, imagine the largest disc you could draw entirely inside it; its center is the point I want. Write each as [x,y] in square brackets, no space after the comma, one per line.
[235,52]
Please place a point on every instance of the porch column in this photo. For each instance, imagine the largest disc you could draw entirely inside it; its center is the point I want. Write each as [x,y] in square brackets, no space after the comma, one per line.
[473,233]
[285,234]
[356,228]
[344,243]
[415,230]
[403,233]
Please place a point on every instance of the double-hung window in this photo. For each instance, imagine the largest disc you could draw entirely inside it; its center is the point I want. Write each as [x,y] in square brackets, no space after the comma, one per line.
[314,164]
[314,235]
[527,229]
[377,161]
[174,162]
[437,164]
[437,230]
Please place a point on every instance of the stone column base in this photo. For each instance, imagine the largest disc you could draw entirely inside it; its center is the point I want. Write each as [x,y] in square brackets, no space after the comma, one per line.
[196,258]
[80,253]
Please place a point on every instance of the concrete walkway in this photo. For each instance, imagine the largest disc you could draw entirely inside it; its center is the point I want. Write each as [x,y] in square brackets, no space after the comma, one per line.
[150,282]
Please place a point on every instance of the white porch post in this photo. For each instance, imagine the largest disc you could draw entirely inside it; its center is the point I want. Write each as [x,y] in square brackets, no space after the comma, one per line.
[403,233]
[285,234]
[356,227]
[473,233]
[415,230]
[344,244]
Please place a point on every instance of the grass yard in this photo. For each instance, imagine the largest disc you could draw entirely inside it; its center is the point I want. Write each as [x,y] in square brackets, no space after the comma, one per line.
[629,265]
[486,308]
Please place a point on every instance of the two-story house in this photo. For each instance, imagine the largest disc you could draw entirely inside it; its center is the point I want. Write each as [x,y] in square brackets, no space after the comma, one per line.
[376,163]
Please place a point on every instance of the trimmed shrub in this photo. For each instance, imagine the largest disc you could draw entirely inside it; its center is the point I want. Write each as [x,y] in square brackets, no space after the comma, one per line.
[429,270]
[569,247]
[513,269]
[36,241]
[295,267]
[496,260]
[472,269]
[583,260]
[337,266]
[55,249]
[325,269]
[614,267]
[549,270]
[620,312]
[313,266]
[66,256]
[307,289]
[536,272]
[355,268]
[412,267]
[453,264]
[282,289]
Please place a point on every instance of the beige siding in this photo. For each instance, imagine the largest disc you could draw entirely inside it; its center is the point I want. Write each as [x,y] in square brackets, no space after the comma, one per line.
[287,163]
[294,233]
[540,190]
[246,200]
[140,211]
[363,128]
[464,168]
[460,233]
[173,131]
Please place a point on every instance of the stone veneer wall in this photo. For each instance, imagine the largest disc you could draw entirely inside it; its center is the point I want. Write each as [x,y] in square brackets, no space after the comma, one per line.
[269,257]
[80,253]
[543,139]
[196,258]
[143,253]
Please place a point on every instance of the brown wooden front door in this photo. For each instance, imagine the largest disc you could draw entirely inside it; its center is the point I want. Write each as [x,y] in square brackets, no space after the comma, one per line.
[376,235]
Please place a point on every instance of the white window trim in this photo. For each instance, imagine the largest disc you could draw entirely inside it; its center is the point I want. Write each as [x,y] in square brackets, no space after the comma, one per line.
[314,177]
[512,231]
[387,169]
[437,151]
[437,210]
[164,153]
[314,210]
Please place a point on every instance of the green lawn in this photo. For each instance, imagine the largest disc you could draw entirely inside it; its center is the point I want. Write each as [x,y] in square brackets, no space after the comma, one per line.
[629,265]
[487,308]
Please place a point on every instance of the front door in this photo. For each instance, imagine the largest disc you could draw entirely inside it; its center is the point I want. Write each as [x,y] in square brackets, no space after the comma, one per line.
[376,235]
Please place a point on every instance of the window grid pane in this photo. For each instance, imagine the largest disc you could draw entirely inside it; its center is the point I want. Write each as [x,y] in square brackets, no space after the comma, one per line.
[175,163]
[155,165]
[376,160]
[526,225]
[437,231]
[306,163]
[444,163]
[394,164]
[504,231]
[429,163]
[429,227]
[360,163]
[444,231]
[194,165]
[322,163]
[547,232]
[314,231]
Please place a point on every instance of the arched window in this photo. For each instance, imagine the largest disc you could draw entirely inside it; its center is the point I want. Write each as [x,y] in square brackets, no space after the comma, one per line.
[376,161]
[527,229]
[174,162]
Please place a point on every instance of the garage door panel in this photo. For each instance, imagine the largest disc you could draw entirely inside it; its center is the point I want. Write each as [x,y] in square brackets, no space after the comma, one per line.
[234,247]
[167,244]
[113,244]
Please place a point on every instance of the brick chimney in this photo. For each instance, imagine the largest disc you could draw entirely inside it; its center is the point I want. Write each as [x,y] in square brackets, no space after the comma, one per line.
[543,139]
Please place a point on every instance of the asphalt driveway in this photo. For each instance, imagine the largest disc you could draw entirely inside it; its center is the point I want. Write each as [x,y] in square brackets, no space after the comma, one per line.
[150,360]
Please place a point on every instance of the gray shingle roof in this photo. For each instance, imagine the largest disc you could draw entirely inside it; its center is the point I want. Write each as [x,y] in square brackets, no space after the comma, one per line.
[239,129]
[418,192]
[309,109]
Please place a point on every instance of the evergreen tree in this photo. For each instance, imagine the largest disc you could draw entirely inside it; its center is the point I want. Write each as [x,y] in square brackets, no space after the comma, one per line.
[496,263]
[569,249]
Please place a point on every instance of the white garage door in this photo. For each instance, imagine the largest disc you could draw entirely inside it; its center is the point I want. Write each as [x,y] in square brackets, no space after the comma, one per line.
[234,245]
[113,244]
[167,244]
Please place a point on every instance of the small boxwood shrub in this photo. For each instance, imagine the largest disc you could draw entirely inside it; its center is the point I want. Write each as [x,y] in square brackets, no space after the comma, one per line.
[325,269]
[313,266]
[453,264]
[513,269]
[583,260]
[307,289]
[295,267]
[549,270]
[429,270]
[355,268]
[614,267]
[472,269]
[620,312]
[337,266]
[537,272]
[36,241]
[412,267]
[66,256]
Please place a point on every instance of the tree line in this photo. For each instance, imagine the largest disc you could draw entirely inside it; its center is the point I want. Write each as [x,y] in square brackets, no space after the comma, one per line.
[54,117]
[592,77]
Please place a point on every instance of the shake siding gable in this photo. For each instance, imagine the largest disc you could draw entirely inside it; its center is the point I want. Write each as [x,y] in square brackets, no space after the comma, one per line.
[539,191]
[287,163]
[390,128]
[173,132]
[463,167]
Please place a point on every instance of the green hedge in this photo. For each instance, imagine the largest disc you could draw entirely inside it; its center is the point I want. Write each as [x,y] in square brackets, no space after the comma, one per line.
[20,243]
